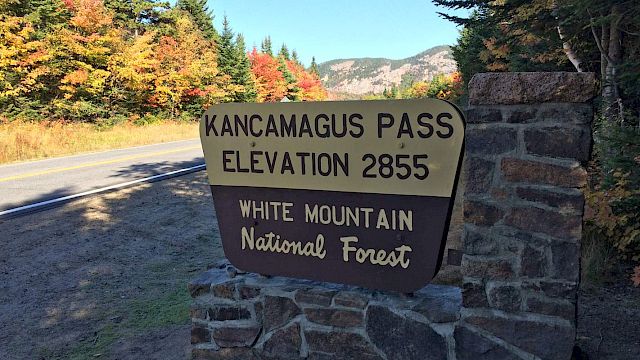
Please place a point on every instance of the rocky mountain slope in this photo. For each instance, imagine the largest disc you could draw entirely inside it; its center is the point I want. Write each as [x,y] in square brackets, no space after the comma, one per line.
[373,75]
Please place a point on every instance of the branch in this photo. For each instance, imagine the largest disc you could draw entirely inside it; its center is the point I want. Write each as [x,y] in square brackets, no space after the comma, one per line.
[598,43]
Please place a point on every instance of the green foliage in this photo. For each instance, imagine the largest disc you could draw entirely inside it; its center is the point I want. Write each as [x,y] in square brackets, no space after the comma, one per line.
[266,46]
[202,16]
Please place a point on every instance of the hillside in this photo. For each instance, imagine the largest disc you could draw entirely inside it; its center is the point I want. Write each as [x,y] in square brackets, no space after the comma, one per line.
[373,75]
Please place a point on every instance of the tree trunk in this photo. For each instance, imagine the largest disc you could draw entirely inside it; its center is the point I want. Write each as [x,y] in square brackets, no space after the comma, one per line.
[604,40]
[566,45]
[610,91]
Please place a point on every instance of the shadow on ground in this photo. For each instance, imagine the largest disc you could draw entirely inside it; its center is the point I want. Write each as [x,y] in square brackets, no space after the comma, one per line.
[105,277]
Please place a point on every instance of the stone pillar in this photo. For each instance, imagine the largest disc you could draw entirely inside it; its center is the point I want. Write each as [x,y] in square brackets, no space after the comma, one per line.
[528,136]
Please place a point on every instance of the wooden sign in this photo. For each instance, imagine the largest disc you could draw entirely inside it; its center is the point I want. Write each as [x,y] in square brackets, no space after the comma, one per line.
[355,192]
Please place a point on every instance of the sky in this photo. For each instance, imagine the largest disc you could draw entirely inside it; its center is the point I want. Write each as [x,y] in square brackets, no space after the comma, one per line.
[338,29]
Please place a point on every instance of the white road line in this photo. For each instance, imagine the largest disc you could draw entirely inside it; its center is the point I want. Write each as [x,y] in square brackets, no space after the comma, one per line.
[34,206]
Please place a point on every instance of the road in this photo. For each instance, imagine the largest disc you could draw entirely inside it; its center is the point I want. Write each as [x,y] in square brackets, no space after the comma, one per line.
[43,180]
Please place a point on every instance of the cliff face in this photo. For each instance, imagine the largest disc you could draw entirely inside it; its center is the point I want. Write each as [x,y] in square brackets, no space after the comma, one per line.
[373,75]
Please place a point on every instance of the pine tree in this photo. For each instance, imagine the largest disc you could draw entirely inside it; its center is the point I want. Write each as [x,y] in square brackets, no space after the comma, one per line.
[266,46]
[243,75]
[202,16]
[294,57]
[313,69]
[227,50]
[284,52]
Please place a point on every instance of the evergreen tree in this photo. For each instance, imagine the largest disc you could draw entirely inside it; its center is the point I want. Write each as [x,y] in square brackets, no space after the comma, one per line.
[266,46]
[284,52]
[227,58]
[314,67]
[202,16]
[243,75]
[292,87]
[294,57]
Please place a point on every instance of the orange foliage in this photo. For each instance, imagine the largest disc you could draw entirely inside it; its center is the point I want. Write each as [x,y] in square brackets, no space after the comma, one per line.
[311,88]
[270,82]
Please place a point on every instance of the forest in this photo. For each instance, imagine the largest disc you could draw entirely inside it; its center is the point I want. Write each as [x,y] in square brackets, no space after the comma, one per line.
[600,36]
[111,61]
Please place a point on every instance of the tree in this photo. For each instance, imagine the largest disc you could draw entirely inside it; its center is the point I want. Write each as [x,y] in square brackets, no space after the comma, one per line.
[243,75]
[202,16]
[290,79]
[227,54]
[266,46]
[314,67]
[294,57]
[270,83]
[284,52]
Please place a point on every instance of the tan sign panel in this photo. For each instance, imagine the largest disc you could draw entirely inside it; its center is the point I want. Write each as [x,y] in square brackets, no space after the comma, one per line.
[354,192]
[404,147]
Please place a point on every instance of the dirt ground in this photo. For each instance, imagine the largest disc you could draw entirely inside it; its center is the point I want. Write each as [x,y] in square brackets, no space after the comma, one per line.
[105,278]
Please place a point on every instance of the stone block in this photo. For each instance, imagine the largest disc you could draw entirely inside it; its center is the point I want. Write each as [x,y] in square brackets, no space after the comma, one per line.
[226,290]
[473,295]
[334,317]
[284,343]
[535,172]
[228,312]
[490,141]
[200,334]
[478,175]
[521,115]
[339,345]
[440,308]
[565,260]
[481,114]
[561,290]
[475,243]
[402,338]
[473,346]
[533,263]
[505,297]
[350,300]
[580,114]
[278,311]
[489,269]
[248,292]
[553,223]
[224,354]
[559,142]
[563,309]
[573,201]
[549,341]
[233,336]
[531,88]
[315,297]
[481,214]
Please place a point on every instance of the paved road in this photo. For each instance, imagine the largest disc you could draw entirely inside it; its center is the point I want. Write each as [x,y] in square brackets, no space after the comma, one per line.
[36,181]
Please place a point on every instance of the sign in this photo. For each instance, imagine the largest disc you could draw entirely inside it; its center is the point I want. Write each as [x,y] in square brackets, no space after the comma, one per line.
[355,192]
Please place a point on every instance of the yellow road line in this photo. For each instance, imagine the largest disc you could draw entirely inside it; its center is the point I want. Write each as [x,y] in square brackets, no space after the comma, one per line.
[97,163]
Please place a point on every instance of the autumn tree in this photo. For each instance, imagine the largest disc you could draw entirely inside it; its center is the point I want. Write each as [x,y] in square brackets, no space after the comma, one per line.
[271,85]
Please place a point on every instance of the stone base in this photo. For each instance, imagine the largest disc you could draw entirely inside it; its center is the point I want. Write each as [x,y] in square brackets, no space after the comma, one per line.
[239,315]
[245,316]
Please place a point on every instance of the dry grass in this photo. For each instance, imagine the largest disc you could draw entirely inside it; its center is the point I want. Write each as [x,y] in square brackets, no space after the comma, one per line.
[33,140]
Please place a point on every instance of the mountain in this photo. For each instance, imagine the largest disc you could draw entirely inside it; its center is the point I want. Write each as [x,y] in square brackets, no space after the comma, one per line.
[372,75]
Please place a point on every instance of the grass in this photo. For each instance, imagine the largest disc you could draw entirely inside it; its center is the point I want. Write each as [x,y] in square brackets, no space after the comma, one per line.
[21,140]
[170,308]
[598,258]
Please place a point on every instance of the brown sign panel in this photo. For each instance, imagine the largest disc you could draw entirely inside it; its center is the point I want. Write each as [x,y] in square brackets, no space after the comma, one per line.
[355,192]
